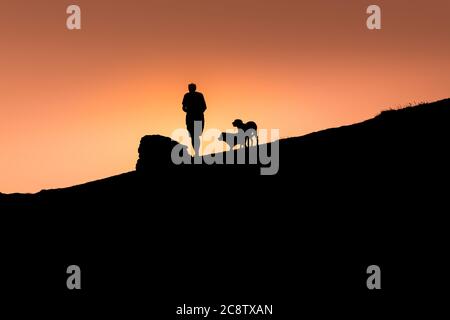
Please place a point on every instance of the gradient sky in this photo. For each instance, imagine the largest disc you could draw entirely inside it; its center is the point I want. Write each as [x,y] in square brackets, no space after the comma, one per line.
[74,104]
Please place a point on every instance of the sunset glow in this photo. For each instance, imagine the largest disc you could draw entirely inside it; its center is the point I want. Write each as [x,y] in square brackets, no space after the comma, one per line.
[74,104]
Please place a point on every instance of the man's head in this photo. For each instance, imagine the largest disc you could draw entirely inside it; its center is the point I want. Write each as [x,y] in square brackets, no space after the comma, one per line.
[192,87]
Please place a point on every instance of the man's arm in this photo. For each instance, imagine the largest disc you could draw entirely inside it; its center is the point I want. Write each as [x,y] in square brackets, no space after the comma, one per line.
[203,104]
[184,104]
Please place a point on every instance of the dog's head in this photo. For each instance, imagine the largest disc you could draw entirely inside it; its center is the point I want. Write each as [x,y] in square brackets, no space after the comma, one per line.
[238,123]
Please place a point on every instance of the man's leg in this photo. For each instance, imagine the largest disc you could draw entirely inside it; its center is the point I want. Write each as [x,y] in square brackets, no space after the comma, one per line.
[190,129]
[198,129]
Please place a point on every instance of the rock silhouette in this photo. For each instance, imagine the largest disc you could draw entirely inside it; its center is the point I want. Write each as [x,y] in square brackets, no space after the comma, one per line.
[155,152]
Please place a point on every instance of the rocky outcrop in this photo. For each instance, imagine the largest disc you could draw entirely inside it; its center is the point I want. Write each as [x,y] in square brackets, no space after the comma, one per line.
[155,153]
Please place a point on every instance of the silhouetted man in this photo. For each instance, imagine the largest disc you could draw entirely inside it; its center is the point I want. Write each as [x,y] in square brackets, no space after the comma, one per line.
[194,105]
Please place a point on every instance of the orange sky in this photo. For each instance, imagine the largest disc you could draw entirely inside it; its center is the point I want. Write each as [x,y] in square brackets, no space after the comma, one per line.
[74,104]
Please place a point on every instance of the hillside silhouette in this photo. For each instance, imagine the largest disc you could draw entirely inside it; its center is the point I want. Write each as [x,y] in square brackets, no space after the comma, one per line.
[409,142]
[343,198]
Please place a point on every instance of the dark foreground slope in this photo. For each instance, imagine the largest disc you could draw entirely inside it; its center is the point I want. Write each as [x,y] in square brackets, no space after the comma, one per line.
[344,198]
